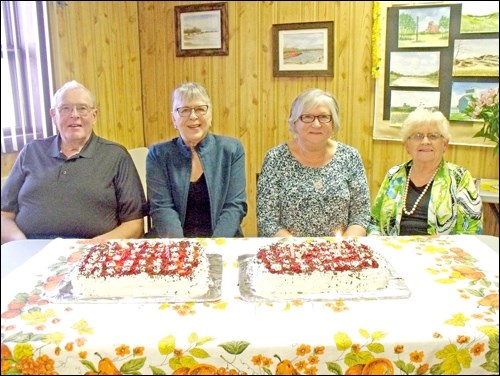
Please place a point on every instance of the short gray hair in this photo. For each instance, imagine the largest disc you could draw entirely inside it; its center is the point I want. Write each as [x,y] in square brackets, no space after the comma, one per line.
[309,99]
[189,91]
[71,85]
[421,117]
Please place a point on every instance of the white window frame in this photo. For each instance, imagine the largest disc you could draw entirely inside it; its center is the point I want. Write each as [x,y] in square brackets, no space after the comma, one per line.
[26,74]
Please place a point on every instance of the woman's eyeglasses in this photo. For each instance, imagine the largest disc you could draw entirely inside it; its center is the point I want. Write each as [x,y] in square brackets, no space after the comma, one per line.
[420,136]
[187,111]
[310,118]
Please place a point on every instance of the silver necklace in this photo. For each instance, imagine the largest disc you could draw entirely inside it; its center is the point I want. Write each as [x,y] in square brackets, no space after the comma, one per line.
[419,197]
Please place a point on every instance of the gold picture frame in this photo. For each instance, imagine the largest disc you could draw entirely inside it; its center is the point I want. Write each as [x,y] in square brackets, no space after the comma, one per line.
[201,30]
[303,49]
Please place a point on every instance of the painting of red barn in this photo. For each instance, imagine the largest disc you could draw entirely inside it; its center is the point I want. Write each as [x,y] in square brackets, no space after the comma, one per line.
[424,27]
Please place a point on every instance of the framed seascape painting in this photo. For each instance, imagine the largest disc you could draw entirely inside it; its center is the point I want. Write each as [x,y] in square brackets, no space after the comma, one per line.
[201,30]
[303,49]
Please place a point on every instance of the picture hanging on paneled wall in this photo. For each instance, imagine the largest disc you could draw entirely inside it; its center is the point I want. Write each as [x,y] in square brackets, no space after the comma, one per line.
[303,49]
[201,30]
[434,60]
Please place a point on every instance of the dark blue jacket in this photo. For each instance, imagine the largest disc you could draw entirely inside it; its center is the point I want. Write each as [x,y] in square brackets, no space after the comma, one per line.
[168,172]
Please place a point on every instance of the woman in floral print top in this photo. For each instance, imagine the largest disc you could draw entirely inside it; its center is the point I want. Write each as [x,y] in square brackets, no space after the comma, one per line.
[313,185]
[426,195]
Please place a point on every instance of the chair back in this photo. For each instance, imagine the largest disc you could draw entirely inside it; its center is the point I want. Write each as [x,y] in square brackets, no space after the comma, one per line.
[139,157]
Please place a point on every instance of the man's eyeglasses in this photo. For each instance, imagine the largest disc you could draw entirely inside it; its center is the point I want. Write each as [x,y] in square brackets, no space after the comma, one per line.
[187,111]
[420,136]
[67,109]
[310,118]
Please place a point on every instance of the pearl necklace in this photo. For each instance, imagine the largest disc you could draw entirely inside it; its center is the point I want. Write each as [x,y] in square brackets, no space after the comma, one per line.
[419,197]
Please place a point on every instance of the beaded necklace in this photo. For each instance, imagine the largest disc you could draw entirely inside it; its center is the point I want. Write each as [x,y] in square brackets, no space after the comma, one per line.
[419,197]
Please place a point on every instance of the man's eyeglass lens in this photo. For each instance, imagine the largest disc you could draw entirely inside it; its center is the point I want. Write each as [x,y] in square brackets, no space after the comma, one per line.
[68,110]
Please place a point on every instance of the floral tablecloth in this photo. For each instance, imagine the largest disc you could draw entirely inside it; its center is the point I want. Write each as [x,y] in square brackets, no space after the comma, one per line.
[449,324]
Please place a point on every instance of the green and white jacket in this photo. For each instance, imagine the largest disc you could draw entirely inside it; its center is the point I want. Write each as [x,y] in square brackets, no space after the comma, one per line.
[455,206]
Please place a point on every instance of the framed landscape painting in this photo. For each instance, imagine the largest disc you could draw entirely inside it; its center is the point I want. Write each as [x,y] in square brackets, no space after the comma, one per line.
[201,30]
[462,92]
[473,58]
[424,27]
[303,49]
[405,101]
[479,17]
[418,69]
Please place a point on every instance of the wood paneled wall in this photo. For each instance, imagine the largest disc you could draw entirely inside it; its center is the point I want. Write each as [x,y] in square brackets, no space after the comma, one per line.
[249,103]
[125,53]
[97,44]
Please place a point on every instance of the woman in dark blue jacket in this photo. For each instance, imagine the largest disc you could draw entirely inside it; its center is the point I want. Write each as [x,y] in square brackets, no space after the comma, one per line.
[196,182]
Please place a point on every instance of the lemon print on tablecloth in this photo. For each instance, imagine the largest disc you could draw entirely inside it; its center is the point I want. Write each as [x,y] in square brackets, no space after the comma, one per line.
[489,186]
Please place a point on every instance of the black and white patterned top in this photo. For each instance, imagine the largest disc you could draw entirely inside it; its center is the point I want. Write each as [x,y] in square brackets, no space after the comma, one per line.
[312,201]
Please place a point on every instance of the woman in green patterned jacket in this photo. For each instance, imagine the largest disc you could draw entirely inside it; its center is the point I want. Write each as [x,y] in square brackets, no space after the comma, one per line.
[426,195]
